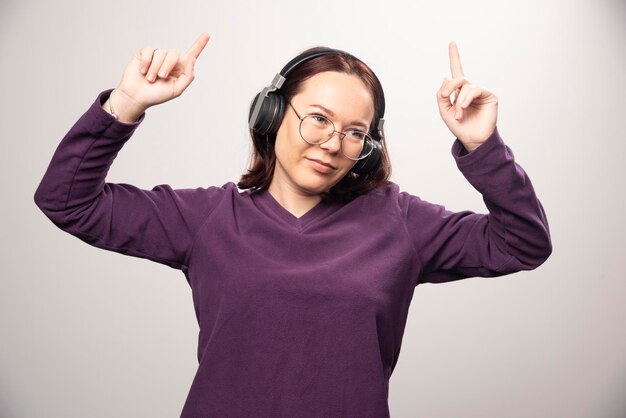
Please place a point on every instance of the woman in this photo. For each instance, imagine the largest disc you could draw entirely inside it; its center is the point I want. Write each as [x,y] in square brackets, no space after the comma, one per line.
[302,282]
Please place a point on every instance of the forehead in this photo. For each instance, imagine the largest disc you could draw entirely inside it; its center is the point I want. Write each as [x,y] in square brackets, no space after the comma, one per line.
[344,94]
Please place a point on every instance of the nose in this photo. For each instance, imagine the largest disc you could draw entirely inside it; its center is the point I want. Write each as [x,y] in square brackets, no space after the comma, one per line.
[333,145]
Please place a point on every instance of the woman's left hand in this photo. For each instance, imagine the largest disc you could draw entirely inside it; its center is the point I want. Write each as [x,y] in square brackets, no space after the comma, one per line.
[477,107]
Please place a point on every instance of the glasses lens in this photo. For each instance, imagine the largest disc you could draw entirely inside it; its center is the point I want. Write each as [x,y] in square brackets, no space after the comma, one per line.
[316,129]
[356,145]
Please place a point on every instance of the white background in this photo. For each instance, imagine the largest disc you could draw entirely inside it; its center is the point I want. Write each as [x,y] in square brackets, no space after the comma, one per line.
[90,333]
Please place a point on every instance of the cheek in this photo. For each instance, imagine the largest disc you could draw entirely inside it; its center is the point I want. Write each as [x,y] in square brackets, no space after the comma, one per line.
[288,148]
[279,148]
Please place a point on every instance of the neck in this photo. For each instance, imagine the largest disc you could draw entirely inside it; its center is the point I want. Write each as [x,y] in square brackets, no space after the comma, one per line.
[294,201]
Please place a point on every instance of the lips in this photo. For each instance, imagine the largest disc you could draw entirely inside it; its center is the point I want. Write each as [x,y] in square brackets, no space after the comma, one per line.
[323,163]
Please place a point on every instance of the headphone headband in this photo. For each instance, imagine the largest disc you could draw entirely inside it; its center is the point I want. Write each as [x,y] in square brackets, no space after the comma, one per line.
[300,59]
[281,77]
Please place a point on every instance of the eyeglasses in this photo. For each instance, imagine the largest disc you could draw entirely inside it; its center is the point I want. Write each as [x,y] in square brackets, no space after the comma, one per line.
[317,129]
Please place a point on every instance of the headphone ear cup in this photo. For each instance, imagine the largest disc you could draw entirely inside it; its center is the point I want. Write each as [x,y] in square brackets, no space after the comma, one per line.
[259,124]
[276,111]
[270,114]
[253,123]
[370,162]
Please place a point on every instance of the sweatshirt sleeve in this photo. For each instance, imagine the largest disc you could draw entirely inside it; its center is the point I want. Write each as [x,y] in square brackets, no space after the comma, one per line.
[157,224]
[513,236]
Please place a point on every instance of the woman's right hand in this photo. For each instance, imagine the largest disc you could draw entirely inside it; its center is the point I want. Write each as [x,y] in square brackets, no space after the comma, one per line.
[155,76]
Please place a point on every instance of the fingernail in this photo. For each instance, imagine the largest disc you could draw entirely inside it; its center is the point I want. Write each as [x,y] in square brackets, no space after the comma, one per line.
[143,70]
[458,114]
[162,74]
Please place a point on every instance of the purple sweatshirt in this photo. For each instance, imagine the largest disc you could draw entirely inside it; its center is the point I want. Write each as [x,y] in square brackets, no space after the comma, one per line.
[298,317]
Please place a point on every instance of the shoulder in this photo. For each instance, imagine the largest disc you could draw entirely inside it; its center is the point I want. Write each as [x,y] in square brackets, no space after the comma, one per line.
[387,190]
[207,192]
[391,202]
[199,201]
[391,196]
[382,199]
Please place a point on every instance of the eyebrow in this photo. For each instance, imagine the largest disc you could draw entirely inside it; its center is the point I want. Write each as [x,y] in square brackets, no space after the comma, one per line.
[332,114]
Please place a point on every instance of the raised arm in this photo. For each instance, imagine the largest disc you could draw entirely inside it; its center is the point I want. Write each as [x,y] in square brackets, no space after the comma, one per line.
[157,224]
[513,236]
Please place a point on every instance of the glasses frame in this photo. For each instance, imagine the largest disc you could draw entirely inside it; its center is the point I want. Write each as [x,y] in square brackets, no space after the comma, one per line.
[341,134]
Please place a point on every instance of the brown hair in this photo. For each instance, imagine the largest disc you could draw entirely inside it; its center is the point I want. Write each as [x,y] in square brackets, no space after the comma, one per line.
[263,158]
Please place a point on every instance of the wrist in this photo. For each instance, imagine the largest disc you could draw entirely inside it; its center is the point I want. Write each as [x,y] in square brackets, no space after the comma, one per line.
[123,107]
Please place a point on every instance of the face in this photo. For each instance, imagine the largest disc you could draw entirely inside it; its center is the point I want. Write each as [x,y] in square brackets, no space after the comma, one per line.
[351,104]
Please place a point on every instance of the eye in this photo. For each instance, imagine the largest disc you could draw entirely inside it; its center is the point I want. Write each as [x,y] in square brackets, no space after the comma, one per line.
[355,135]
[319,120]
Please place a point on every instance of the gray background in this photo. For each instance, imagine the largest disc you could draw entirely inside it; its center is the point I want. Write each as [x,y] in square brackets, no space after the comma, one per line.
[91,333]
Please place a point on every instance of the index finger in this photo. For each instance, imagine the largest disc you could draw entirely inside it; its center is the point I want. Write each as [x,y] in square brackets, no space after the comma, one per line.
[455,60]
[198,46]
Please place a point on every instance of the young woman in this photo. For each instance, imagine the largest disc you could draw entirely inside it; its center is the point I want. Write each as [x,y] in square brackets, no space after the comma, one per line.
[302,281]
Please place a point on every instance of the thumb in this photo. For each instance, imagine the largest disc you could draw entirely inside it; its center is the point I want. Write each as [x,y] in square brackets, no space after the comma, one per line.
[443,101]
[186,77]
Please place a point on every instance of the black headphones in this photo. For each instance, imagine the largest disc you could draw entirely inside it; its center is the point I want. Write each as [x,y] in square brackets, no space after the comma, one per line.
[268,108]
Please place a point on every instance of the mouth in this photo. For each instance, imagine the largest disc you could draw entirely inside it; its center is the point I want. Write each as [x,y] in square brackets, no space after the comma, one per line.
[323,163]
[321,167]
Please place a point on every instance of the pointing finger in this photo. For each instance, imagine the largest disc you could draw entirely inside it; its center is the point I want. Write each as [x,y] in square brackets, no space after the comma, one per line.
[186,78]
[455,60]
[198,46]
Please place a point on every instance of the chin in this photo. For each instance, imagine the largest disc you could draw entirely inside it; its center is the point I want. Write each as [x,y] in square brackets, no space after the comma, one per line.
[316,186]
